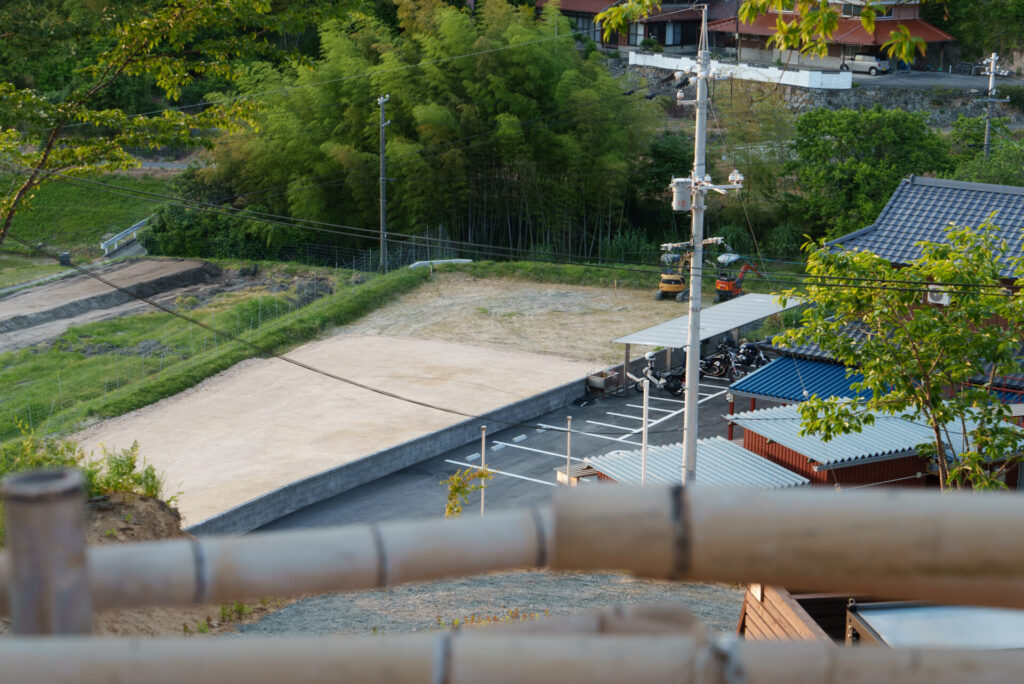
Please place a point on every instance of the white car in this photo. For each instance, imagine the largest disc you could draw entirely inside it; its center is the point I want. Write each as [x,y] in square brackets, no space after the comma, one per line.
[866,64]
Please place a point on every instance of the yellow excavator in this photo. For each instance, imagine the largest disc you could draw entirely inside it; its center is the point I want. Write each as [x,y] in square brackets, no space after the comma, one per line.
[675,269]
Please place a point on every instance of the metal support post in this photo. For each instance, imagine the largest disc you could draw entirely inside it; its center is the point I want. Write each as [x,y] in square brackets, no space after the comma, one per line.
[45,522]
[643,440]
[568,448]
[381,101]
[483,464]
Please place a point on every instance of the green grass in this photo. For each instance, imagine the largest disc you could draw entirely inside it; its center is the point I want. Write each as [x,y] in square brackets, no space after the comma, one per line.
[108,368]
[15,270]
[76,217]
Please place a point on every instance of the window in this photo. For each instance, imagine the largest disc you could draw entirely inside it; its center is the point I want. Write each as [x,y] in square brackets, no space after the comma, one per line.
[851,10]
[674,33]
[636,34]
[585,25]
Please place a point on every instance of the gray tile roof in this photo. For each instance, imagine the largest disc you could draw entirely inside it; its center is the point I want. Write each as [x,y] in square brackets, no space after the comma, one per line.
[921,208]
[720,463]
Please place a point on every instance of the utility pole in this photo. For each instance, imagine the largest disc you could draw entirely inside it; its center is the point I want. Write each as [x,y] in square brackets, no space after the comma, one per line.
[381,101]
[699,183]
[992,62]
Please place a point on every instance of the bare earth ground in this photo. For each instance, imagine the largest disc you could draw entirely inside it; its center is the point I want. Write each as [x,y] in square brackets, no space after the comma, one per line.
[569,321]
[264,423]
[467,344]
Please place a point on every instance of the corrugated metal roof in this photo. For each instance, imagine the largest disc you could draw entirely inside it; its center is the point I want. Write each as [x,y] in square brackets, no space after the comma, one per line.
[890,437]
[793,379]
[720,463]
[714,320]
[921,208]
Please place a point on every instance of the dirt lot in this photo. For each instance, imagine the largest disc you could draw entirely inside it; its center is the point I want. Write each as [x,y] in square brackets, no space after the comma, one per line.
[568,321]
[458,342]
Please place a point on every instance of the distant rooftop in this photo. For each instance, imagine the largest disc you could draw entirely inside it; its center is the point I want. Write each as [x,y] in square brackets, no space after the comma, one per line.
[720,463]
[921,208]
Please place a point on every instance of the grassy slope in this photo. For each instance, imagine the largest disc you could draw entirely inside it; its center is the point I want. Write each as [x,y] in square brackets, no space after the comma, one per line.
[76,217]
[109,368]
[15,269]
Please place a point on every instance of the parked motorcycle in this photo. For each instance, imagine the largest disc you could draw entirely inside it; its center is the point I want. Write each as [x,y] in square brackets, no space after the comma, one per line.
[722,364]
[672,382]
[750,355]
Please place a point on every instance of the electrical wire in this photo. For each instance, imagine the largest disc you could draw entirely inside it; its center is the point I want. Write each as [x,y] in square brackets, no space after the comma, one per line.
[481,249]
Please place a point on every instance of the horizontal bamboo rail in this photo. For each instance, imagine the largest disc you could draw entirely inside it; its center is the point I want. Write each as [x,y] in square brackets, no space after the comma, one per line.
[949,548]
[475,656]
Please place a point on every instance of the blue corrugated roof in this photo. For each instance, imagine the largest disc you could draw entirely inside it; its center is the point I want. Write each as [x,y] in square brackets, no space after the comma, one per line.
[890,437]
[921,208]
[793,379]
[720,463]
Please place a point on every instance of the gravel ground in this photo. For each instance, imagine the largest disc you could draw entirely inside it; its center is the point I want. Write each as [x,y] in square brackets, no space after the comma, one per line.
[415,607]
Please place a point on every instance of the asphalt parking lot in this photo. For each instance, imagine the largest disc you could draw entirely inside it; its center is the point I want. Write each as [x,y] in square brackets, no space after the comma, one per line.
[522,458]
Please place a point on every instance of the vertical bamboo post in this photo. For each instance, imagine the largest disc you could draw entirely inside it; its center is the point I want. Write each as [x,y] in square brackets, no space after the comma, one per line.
[48,591]
[483,464]
[643,441]
[568,448]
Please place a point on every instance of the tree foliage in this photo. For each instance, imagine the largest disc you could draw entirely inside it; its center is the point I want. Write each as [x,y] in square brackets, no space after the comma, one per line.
[930,364]
[501,131]
[849,162]
[980,28]
[65,63]
[460,485]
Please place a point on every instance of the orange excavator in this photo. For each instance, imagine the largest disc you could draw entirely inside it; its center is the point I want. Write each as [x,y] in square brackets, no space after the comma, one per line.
[731,286]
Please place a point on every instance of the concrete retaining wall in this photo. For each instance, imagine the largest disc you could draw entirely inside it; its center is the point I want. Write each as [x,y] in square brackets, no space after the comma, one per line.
[316,488]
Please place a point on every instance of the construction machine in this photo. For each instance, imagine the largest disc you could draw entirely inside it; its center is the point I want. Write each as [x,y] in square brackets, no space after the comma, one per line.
[731,286]
[675,269]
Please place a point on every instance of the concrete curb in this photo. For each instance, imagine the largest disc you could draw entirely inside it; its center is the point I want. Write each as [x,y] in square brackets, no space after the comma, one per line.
[292,497]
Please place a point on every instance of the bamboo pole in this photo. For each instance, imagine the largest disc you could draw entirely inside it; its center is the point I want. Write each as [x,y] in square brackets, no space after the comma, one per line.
[903,544]
[948,548]
[46,579]
[480,655]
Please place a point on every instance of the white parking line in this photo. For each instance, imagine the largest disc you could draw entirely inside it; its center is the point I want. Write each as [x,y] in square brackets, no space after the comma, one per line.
[671,401]
[501,472]
[650,408]
[597,422]
[624,415]
[600,436]
[712,396]
[541,451]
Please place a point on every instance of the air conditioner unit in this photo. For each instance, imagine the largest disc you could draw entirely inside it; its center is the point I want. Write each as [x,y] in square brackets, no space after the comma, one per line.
[936,296]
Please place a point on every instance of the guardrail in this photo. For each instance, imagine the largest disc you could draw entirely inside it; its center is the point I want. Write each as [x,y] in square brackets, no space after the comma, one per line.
[828,80]
[130,231]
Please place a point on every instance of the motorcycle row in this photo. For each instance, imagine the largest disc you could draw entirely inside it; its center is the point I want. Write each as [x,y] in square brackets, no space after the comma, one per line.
[727,361]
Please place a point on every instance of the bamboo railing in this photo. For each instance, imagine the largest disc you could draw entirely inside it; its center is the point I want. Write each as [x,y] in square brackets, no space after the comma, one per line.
[904,544]
[949,548]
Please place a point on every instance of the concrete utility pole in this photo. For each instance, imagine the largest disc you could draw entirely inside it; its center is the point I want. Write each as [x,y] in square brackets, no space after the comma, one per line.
[993,61]
[383,190]
[699,183]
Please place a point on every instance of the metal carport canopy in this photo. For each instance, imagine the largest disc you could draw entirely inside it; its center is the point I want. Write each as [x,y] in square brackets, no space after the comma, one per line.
[714,320]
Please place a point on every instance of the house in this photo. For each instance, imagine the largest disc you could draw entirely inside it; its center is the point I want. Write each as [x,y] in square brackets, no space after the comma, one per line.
[674,26]
[720,463]
[849,39]
[881,454]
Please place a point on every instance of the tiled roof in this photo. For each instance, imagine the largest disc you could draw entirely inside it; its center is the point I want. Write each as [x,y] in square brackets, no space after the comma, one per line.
[720,463]
[814,352]
[921,208]
[792,379]
[849,31]
[890,437]
[582,6]
[673,12]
